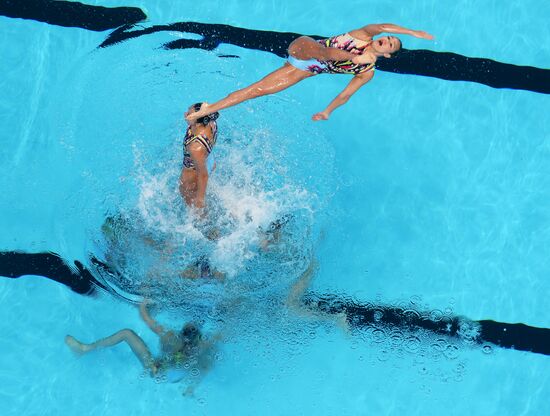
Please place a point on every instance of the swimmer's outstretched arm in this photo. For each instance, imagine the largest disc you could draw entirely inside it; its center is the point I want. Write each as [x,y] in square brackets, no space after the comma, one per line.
[357,82]
[377,29]
[151,323]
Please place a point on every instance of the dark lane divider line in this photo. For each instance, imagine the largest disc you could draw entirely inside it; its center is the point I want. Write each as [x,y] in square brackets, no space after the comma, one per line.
[14,264]
[72,13]
[359,315]
[505,335]
[443,65]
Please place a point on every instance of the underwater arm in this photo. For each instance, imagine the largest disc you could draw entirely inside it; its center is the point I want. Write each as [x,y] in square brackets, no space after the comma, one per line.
[357,82]
[377,29]
[151,323]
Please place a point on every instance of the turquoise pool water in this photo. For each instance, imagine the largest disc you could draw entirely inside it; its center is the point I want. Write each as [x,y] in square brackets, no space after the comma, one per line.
[419,192]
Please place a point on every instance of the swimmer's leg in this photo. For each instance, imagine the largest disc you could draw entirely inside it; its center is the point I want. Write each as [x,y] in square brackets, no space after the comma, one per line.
[276,81]
[125,335]
[294,300]
[305,48]
[188,185]
[297,290]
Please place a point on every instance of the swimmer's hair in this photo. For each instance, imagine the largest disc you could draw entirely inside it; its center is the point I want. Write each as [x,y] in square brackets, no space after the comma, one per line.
[207,118]
[190,331]
[398,52]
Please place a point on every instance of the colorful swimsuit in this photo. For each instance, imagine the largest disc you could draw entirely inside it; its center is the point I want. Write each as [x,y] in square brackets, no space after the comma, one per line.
[344,42]
[202,139]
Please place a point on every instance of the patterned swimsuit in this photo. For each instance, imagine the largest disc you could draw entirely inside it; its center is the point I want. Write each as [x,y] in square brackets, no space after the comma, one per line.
[202,139]
[344,42]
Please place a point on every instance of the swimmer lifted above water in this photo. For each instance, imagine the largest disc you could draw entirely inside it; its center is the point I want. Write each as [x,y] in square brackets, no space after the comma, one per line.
[198,161]
[353,53]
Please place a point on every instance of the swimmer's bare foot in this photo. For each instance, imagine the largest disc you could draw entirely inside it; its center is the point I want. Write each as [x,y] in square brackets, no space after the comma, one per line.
[75,345]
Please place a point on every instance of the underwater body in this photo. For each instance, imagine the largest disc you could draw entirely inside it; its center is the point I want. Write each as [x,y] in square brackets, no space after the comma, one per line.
[389,260]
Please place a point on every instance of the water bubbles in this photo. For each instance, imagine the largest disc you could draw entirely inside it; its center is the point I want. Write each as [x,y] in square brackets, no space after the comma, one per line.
[412,344]
[415,300]
[411,314]
[396,338]
[468,331]
[487,349]
[438,345]
[378,335]
[436,315]
[378,314]
[451,352]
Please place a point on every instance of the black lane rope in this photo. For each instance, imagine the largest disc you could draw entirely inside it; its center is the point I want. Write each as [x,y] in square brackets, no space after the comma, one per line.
[441,65]
[359,315]
[516,336]
[72,13]
[76,276]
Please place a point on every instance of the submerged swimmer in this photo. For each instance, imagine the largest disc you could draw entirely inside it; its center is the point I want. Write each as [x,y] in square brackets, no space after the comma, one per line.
[198,161]
[124,235]
[181,349]
[353,53]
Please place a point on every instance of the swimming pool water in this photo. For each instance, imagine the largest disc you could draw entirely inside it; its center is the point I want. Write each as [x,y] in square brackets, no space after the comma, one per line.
[419,191]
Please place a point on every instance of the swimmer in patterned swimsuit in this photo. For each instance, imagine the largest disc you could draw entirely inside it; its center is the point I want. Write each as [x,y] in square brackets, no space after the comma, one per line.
[353,53]
[198,161]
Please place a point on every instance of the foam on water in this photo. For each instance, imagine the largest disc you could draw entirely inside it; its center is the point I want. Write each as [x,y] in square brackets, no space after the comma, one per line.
[125,152]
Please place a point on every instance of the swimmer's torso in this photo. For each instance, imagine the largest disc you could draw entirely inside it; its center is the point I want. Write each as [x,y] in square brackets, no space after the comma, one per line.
[344,42]
[207,140]
[347,43]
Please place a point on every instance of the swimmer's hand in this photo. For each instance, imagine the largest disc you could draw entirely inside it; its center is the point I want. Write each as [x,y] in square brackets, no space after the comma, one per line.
[191,117]
[323,115]
[422,35]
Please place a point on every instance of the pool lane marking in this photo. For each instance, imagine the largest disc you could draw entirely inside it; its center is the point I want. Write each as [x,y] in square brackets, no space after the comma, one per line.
[359,315]
[442,65]
[72,13]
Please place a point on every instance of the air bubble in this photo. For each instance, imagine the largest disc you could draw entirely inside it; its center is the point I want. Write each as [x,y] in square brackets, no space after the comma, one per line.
[396,338]
[438,345]
[378,335]
[416,300]
[411,314]
[436,315]
[451,352]
[487,349]
[412,344]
